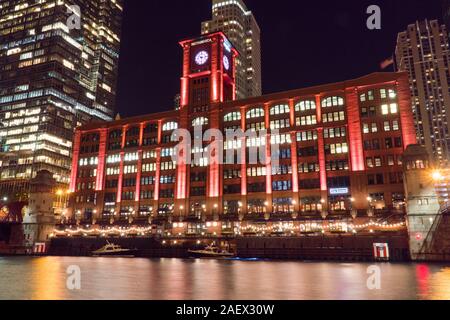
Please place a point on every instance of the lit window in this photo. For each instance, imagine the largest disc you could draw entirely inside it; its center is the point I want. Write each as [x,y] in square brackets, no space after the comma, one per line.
[392,94]
[332,102]
[305,105]
[394,108]
[279,109]
[201,121]
[170,126]
[255,113]
[366,128]
[232,116]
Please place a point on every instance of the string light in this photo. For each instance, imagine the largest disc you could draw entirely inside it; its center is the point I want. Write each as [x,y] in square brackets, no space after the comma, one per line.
[251,228]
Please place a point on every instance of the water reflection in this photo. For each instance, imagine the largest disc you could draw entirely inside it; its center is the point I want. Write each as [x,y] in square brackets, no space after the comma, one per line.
[173,279]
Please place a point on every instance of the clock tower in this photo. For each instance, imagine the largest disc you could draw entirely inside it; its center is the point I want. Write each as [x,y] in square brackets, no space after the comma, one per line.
[208,71]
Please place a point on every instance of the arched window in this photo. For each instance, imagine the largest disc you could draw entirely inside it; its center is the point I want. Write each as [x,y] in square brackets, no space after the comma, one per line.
[168,126]
[305,105]
[232,116]
[279,109]
[255,113]
[200,121]
[332,102]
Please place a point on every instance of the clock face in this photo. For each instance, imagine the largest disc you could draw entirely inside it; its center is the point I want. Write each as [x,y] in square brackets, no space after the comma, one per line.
[226,63]
[201,58]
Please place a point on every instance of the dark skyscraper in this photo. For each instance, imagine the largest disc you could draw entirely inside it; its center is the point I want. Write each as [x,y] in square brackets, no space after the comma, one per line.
[58,70]
[446,12]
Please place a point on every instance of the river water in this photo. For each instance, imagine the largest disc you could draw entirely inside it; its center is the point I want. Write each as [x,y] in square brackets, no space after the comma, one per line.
[175,279]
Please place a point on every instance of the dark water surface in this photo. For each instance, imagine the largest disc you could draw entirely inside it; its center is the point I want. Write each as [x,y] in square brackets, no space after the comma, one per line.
[173,279]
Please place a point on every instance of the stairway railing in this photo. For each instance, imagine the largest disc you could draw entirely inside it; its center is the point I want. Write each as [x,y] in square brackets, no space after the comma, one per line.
[430,238]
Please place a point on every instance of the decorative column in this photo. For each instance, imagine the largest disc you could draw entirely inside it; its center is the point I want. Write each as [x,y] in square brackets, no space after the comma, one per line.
[243,207]
[354,130]
[99,184]
[122,156]
[294,159]
[158,169]
[216,73]
[269,199]
[137,196]
[214,153]
[75,159]
[322,157]
[184,99]
[358,178]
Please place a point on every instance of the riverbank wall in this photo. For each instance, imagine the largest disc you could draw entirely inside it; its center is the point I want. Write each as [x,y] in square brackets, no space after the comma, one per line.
[327,248]
[333,248]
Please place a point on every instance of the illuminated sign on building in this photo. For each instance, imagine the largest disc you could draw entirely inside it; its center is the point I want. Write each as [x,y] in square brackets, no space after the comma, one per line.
[339,191]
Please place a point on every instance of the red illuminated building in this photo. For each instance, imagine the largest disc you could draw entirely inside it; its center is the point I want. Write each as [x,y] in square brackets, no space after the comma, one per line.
[340,148]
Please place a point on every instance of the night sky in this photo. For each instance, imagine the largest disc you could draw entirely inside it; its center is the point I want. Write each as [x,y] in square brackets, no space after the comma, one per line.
[304,43]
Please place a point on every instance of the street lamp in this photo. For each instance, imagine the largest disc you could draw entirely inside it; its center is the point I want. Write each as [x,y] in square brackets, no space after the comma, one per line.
[353,211]
[437,176]
[267,214]
[240,215]
[323,213]
[181,213]
[215,212]
[294,213]
[370,209]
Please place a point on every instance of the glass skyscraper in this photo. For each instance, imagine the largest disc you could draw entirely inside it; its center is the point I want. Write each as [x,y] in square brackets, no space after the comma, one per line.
[423,51]
[240,26]
[58,70]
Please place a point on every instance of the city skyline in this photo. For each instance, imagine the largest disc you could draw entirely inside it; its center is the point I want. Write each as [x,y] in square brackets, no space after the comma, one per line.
[284,67]
[187,181]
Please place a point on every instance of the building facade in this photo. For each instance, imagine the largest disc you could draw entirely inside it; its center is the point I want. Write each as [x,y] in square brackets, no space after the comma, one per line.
[446,13]
[58,70]
[423,51]
[339,149]
[240,26]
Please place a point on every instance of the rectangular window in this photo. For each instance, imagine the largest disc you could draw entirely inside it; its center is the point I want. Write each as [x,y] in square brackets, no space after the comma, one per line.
[366,128]
[377,162]
[395,126]
[394,108]
[374,128]
[362,97]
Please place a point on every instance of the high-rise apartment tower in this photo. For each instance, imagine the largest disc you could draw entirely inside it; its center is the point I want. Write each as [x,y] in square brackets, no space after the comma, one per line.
[239,24]
[423,51]
[58,70]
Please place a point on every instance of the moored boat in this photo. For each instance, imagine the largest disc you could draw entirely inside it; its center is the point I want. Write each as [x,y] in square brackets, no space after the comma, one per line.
[114,250]
[212,252]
